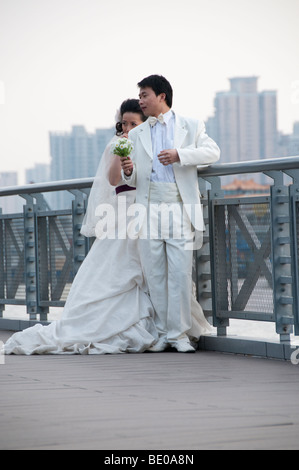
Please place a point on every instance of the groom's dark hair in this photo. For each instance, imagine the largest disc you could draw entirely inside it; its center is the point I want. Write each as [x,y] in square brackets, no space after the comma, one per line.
[159,85]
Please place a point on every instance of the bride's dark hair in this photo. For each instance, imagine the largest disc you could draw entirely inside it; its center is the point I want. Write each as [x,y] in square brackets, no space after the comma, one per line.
[129,106]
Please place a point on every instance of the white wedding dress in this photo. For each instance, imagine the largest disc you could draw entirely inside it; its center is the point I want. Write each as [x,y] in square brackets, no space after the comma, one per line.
[108,309]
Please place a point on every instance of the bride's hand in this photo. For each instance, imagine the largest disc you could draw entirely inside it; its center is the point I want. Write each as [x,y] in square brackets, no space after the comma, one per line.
[125,135]
[127,165]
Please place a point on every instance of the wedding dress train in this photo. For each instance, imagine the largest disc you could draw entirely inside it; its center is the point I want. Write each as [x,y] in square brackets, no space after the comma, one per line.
[107,310]
[100,316]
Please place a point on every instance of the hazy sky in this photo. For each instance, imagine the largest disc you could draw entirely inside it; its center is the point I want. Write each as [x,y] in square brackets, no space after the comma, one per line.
[67,62]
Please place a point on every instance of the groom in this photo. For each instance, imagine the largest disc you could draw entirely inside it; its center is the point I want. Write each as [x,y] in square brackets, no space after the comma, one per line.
[167,152]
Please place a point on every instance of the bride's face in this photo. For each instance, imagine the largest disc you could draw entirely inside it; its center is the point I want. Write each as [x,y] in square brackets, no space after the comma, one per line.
[129,121]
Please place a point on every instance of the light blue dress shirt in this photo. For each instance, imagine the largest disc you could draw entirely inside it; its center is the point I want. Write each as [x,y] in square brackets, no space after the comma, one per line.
[162,139]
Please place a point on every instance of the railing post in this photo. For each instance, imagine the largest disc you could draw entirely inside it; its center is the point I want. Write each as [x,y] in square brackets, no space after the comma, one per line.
[41,257]
[281,257]
[203,259]
[214,224]
[294,216]
[79,251]
[30,257]
[88,240]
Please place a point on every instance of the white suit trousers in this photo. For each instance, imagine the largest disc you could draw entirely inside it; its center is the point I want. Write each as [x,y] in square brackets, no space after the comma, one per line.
[166,262]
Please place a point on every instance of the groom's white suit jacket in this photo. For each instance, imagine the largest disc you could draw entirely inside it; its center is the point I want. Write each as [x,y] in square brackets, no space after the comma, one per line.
[196,150]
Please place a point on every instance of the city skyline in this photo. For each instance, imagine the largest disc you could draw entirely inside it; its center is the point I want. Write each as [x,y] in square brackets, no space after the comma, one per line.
[65,63]
[244,124]
[262,148]
[75,154]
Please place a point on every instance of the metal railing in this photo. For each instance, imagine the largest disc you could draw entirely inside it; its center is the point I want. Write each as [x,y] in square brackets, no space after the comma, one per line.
[247,268]
[253,248]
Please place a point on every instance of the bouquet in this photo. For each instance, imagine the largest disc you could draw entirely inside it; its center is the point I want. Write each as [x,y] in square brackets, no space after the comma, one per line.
[122,147]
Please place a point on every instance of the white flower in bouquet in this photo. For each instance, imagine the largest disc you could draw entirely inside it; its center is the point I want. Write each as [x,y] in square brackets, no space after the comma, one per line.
[122,147]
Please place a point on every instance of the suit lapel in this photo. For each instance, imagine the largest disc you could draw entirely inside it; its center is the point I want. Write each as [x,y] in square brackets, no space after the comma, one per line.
[180,132]
[146,139]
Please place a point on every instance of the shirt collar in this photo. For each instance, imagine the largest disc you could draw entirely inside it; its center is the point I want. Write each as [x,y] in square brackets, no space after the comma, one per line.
[168,116]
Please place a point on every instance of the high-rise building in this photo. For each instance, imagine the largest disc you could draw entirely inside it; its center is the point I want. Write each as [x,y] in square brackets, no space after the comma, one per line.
[245,121]
[268,124]
[75,155]
[40,173]
[293,147]
[289,143]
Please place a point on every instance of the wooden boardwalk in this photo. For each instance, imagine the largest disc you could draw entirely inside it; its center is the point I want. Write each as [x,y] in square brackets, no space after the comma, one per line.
[166,401]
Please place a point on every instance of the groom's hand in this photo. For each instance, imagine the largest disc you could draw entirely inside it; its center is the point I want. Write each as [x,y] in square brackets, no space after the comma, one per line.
[168,157]
[127,165]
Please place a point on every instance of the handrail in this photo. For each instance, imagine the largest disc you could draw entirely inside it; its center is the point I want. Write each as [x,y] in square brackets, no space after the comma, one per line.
[78,183]
[221,169]
[254,166]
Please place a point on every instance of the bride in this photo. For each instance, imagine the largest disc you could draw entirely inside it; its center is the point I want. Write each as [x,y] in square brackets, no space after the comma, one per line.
[108,309]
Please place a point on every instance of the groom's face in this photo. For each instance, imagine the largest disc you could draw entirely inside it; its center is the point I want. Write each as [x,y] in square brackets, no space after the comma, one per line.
[151,104]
